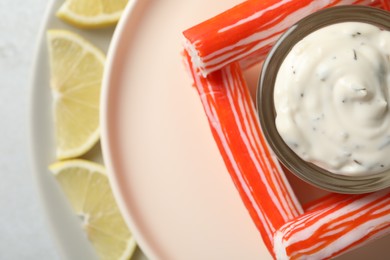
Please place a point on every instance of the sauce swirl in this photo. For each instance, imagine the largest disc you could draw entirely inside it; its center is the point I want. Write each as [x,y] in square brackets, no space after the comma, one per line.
[332,97]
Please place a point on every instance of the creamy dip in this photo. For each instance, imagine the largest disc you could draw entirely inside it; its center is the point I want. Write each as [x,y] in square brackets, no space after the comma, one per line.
[332,98]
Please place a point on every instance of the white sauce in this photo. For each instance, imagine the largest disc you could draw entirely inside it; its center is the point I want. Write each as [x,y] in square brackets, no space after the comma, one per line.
[332,99]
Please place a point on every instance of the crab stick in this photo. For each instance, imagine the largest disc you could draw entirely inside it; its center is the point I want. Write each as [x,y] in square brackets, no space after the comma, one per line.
[330,226]
[246,32]
[338,224]
[255,171]
[386,4]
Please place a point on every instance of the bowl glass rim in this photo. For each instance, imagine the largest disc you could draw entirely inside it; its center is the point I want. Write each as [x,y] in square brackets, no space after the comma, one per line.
[265,102]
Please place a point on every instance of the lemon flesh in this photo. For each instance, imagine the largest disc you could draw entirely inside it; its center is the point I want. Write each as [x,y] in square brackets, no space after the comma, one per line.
[76,76]
[87,188]
[92,13]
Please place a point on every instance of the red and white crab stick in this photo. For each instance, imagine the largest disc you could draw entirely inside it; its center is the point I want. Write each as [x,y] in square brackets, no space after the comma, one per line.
[338,224]
[330,226]
[254,169]
[246,32]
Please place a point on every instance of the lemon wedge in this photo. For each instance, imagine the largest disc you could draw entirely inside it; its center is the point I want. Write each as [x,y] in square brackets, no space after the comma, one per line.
[76,75]
[91,13]
[87,188]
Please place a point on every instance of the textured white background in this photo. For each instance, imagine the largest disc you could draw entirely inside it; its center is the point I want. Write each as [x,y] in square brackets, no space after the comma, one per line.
[23,229]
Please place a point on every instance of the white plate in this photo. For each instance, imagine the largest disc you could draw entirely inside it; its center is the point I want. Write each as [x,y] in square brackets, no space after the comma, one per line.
[67,232]
[168,176]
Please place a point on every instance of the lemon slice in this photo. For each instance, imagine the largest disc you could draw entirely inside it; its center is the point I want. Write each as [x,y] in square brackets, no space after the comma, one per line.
[76,75]
[92,13]
[87,188]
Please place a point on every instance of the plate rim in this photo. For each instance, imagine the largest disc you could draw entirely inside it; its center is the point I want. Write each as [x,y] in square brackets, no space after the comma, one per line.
[111,56]
[33,143]
[41,178]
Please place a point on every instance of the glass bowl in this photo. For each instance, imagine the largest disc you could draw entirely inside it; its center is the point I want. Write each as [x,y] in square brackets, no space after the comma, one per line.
[265,102]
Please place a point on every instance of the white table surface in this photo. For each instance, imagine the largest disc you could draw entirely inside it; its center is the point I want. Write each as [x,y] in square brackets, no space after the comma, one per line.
[24,233]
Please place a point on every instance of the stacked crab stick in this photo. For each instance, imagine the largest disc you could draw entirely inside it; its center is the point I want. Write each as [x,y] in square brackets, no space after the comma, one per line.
[329,226]
[337,225]
[254,169]
[246,32]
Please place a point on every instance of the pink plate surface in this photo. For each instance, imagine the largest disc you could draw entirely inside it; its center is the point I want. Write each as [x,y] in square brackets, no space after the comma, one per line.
[165,168]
